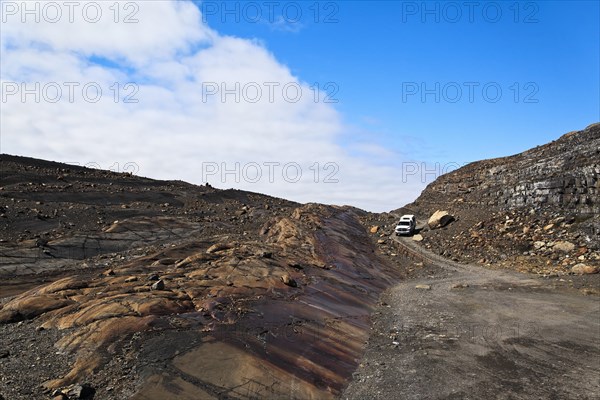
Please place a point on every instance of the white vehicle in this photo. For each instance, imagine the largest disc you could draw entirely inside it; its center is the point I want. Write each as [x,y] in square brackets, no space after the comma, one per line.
[406,225]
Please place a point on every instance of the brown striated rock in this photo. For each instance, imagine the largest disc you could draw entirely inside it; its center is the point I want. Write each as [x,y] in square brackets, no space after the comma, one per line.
[94,310]
[218,247]
[30,306]
[70,283]
[195,259]
[161,306]
[88,340]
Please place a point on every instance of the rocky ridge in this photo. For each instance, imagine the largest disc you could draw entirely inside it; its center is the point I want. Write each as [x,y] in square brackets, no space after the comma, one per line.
[132,288]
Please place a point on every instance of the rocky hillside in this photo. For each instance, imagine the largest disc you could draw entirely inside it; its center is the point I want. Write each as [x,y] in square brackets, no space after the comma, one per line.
[120,287]
[116,287]
[537,211]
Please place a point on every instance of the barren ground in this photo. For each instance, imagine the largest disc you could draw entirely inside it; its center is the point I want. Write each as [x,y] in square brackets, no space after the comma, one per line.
[80,250]
[480,333]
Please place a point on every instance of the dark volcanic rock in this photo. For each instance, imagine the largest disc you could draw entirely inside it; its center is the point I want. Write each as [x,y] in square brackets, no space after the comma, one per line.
[80,391]
[563,174]
[161,289]
[158,285]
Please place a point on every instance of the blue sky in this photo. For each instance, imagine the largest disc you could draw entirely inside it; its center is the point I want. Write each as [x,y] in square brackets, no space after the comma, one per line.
[371,49]
[406,88]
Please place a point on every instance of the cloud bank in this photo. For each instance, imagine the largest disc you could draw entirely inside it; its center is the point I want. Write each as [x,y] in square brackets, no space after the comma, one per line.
[150,83]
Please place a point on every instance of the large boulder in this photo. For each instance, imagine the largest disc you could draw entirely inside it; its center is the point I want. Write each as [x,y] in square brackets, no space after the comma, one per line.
[565,247]
[439,219]
[583,269]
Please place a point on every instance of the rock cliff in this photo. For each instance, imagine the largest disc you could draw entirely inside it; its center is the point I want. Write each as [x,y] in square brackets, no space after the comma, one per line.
[562,174]
[518,211]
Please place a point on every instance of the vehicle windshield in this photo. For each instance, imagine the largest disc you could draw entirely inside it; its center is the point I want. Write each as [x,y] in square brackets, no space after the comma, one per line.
[404,223]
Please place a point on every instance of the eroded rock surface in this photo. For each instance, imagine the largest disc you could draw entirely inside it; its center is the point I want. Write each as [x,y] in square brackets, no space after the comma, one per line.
[194,299]
[135,288]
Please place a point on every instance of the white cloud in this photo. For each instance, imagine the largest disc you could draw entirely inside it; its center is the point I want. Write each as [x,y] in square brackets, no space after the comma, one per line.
[135,32]
[176,128]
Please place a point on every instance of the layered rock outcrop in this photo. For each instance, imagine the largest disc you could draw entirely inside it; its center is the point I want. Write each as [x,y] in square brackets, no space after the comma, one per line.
[515,211]
[563,174]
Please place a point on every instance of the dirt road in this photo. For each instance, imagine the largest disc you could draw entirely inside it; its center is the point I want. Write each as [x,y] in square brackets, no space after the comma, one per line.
[472,333]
